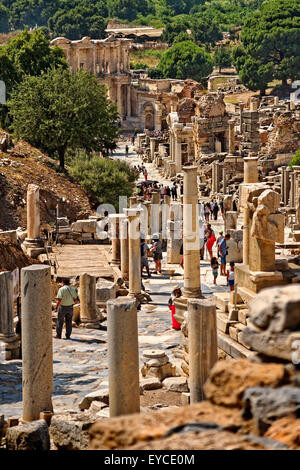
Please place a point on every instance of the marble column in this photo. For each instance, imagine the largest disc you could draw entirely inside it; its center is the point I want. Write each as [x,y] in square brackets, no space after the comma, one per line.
[88,307]
[241,105]
[231,137]
[33,212]
[134,251]
[250,170]
[129,100]
[224,175]
[155,212]
[246,235]
[123,357]
[114,220]
[37,356]
[124,248]
[292,189]
[202,340]
[287,185]
[7,332]
[282,183]
[119,99]
[191,237]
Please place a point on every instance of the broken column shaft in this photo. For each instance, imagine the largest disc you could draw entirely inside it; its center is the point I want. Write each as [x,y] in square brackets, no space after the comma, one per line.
[37,356]
[202,336]
[123,357]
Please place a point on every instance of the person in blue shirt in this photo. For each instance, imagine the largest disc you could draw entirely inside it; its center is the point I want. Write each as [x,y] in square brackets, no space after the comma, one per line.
[222,253]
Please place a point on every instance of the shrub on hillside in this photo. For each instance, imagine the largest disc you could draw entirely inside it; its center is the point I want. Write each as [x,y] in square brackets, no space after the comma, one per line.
[103,178]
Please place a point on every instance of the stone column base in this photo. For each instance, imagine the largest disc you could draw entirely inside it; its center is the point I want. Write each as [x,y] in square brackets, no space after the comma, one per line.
[12,347]
[33,247]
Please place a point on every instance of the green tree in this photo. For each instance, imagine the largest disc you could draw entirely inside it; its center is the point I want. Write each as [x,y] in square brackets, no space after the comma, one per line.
[103,178]
[253,73]
[295,161]
[4,16]
[222,57]
[270,41]
[129,9]
[205,32]
[186,60]
[30,54]
[61,111]
[175,29]
[74,23]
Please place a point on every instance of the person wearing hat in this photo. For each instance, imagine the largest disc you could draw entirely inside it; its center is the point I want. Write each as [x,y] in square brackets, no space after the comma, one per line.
[220,237]
[176,293]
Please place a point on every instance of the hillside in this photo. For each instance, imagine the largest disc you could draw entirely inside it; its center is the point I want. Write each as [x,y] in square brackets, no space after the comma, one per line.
[21,165]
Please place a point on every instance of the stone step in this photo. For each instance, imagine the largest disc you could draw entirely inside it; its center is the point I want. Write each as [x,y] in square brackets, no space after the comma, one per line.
[232,348]
[223,323]
[246,294]
[222,300]
[296,235]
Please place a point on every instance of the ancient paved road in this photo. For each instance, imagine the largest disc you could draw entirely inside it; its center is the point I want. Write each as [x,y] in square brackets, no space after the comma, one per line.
[80,364]
[73,260]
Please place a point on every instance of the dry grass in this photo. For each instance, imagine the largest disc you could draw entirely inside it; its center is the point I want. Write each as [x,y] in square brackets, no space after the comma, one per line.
[149,57]
[4,38]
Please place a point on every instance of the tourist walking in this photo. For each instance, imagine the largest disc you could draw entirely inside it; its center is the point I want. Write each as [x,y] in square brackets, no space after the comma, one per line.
[175,295]
[174,192]
[210,240]
[215,269]
[144,257]
[156,250]
[230,276]
[215,210]
[222,253]
[67,296]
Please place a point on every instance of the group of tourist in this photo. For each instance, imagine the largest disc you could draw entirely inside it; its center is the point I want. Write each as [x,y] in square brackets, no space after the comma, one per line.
[155,250]
[211,210]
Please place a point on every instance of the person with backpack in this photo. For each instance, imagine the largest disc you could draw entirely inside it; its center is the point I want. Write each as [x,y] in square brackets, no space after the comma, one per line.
[67,296]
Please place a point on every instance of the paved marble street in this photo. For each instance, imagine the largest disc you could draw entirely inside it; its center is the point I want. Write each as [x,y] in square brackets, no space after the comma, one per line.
[80,364]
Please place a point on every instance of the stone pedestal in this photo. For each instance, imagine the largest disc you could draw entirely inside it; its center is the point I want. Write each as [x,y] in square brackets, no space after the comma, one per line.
[37,357]
[7,332]
[230,222]
[250,170]
[134,241]
[202,339]
[124,248]
[132,202]
[89,314]
[123,357]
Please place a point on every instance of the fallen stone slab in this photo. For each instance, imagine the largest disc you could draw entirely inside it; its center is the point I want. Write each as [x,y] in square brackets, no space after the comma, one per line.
[176,384]
[286,430]
[69,431]
[226,385]
[152,383]
[98,395]
[266,404]
[276,309]
[28,436]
